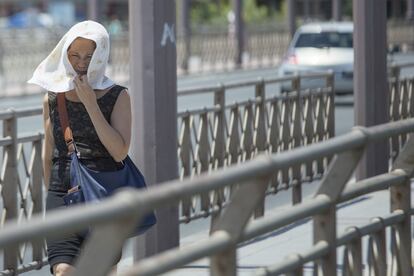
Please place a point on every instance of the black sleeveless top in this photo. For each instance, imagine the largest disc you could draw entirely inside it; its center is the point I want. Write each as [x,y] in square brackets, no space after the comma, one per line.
[93,153]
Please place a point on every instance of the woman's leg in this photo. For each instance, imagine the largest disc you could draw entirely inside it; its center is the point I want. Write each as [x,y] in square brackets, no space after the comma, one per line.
[63,269]
[63,251]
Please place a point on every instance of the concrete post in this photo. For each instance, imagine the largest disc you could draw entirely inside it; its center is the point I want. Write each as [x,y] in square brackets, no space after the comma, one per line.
[92,10]
[410,10]
[153,90]
[238,8]
[186,32]
[370,79]
[396,9]
[291,7]
[316,9]
[306,10]
[337,10]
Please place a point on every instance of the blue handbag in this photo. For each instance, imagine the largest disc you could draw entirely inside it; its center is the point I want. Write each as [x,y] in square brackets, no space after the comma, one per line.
[88,186]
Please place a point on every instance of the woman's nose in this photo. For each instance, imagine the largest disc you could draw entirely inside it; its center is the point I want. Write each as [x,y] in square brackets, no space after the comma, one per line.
[83,63]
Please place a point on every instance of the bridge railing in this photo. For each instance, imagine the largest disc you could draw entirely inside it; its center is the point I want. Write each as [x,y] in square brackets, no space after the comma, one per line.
[222,134]
[250,181]
[210,50]
[22,193]
[215,136]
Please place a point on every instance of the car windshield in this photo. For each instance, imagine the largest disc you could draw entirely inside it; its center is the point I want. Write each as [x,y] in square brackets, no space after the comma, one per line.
[325,40]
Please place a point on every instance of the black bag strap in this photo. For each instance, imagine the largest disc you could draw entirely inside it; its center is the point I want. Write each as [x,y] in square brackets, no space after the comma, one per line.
[64,122]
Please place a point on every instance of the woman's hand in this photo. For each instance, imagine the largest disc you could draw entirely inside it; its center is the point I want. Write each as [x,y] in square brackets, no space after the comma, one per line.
[84,91]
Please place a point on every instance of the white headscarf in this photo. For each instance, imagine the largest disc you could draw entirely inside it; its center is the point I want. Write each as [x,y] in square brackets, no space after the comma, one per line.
[56,74]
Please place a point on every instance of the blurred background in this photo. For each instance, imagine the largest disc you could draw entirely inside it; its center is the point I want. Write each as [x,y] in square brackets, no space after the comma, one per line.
[207,33]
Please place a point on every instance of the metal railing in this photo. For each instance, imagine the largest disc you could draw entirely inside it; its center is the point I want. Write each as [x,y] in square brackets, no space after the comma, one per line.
[20,182]
[226,134]
[210,138]
[401,86]
[210,50]
[120,214]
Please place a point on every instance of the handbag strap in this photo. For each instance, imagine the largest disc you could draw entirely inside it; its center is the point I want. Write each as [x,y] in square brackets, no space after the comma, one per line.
[64,122]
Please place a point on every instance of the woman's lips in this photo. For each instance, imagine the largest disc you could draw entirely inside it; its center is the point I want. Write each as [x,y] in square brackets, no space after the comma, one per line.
[81,72]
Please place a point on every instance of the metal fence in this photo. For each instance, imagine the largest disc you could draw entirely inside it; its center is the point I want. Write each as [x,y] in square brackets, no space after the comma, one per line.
[401,87]
[251,179]
[20,182]
[210,138]
[226,134]
[209,51]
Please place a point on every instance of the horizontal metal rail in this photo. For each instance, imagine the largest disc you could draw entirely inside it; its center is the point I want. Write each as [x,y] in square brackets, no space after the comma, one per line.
[232,85]
[297,213]
[137,204]
[30,138]
[296,260]
[126,204]
[175,190]
[177,257]
[5,141]
[20,112]
[197,111]
[26,267]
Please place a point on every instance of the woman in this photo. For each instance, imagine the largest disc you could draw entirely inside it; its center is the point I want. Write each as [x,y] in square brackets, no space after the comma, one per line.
[99,116]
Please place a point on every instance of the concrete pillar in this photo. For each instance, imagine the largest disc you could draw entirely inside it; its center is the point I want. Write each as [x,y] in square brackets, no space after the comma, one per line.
[370,79]
[316,9]
[291,9]
[153,90]
[337,10]
[92,10]
[410,9]
[396,9]
[238,12]
[306,10]
[186,32]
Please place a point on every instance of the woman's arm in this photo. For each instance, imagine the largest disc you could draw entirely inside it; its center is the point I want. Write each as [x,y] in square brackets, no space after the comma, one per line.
[116,135]
[48,143]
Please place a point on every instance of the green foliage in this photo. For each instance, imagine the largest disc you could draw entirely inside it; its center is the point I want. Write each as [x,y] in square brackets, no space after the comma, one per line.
[347,8]
[253,13]
[208,12]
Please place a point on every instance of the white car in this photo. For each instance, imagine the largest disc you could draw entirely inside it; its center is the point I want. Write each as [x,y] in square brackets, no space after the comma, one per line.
[320,47]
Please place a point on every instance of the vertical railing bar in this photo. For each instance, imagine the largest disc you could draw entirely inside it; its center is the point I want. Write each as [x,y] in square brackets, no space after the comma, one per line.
[10,184]
[297,142]
[219,146]
[260,134]
[380,254]
[400,199]
[331,110]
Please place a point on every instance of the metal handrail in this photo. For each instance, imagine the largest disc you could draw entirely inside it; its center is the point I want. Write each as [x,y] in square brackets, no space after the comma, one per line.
[221,86]
[359,140]
[129,204]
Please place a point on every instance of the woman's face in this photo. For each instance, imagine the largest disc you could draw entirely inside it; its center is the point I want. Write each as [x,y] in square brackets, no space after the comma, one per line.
[80,53]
